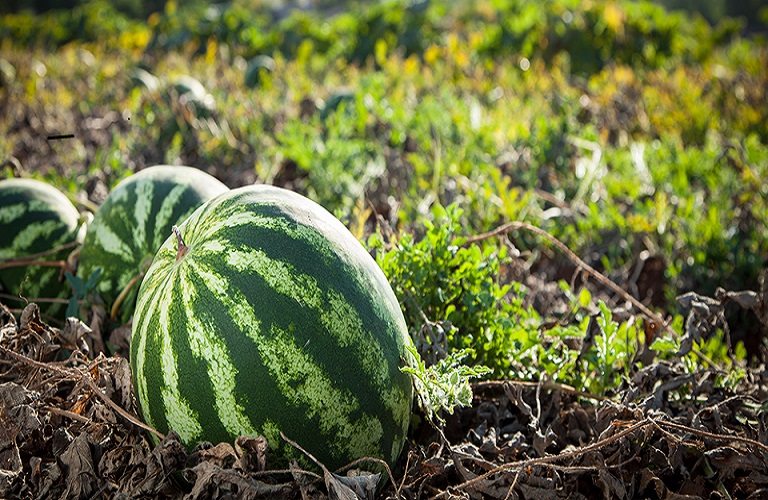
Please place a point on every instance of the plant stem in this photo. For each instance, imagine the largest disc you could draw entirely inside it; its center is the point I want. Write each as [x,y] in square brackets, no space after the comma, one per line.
[182,248]
[123,294]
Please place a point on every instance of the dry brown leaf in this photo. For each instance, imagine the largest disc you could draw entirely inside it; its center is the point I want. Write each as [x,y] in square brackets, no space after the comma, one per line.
[211,481]
[251,453]
[78,467]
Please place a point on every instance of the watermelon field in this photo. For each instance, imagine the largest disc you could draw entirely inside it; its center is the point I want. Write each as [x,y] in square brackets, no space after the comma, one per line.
[398,249]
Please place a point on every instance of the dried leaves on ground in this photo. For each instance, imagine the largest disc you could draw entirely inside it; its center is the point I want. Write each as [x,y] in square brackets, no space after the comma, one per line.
[69,429]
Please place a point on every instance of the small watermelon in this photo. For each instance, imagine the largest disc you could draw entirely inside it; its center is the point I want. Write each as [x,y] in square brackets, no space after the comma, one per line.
[257,69]
[35,217]
[192,94]
[265,315]
[133,222]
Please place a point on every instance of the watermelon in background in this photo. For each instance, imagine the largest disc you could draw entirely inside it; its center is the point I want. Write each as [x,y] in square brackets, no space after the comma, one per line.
[266,315]
[36,218]
[134,220]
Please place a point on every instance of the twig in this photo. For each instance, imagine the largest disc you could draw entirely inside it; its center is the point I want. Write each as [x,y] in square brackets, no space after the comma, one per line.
[274,472]
[514,483]
[33,262]
[549,461]
[325,470]
[590,468]
[591,271]
[511,226]
[370,459]
[120,410]
[43,300]
[489,384]
[46,253]
[538,405]
[37,364]
[710,435]
[399,489]
[66,413]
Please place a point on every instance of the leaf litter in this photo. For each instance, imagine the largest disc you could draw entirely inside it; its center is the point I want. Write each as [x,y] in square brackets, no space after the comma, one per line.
[69,428]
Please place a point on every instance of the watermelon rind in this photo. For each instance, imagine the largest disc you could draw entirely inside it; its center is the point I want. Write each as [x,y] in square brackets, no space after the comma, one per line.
[36,218]
[275,320]
[132,223]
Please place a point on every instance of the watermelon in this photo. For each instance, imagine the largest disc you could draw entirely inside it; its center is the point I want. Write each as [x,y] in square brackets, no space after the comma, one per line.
[132,223]
[35,217]
[262,315]
[191,92]
[257,69]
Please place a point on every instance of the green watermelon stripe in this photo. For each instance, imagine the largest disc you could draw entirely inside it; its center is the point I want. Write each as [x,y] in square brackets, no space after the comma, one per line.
[280,226]
[27,237]
[142,193]
[10,213]
[214,351]
[289,225]
[286,279]
[35,237]
[46,280]
[228,220]
[338,316]
[139,340]
[290,363]
[177,412]
[34,218]
[111,244]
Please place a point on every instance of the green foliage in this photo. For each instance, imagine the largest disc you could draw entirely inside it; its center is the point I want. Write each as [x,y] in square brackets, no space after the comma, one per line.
[80,290]
[615,347]
[443,386]
[439,278]
[729,362]
[88,22]
[605,352]
[334,153]
[592,34]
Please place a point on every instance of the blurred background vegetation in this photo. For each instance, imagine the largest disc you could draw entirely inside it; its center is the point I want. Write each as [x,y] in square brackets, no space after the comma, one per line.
[712,10]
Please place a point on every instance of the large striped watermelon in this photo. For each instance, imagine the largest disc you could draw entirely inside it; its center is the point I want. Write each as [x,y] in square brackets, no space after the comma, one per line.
[271,317]
[133,222]
[36,218]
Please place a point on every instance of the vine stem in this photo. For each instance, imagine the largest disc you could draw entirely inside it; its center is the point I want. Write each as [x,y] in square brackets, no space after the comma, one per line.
[33,262]
[123,294]
[33,258]
[182,249]
[548,385]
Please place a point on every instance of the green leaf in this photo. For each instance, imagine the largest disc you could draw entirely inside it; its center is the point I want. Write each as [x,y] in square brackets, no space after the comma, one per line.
[445,385]
[665,345]
[80,290]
